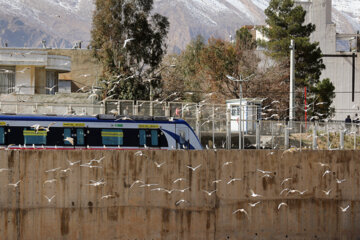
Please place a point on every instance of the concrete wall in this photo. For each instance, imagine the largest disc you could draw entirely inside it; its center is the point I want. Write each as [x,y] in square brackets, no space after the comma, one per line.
[78,212]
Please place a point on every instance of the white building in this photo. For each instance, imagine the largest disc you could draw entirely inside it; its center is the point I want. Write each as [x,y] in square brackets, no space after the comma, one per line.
[342,68]
[27,71]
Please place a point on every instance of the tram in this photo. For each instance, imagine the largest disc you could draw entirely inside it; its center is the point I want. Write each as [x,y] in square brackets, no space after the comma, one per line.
[95,132]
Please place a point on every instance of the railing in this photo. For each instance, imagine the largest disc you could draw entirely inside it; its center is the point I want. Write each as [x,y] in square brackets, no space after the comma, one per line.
[214,125]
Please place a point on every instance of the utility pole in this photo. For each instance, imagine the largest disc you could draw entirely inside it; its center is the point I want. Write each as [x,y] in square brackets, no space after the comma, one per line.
[240,103]
[292,82]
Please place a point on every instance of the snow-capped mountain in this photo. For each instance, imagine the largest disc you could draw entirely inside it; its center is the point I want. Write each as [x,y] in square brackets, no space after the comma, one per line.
[63,22]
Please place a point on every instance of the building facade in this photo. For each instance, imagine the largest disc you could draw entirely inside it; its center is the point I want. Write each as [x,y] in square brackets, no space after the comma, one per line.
[31,71]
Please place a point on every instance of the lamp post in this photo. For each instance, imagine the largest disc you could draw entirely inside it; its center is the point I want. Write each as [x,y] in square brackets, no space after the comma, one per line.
[240,102]
[292,83]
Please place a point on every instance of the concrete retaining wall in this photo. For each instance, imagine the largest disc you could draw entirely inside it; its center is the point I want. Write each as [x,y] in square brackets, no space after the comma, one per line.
[78,212]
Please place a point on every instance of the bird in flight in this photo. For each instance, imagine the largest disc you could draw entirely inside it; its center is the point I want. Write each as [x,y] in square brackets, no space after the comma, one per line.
[263,172]
[326,172]
[209,193]
[233,180]
[49,181]
[344,209]
[339,181]
[285,189]
[49,199]
[107,197]
[253,194]
[159,165]
[73,163]
[70,140]
[97,183]
[323,164]
[216,181]
[266,176]
[148,185]
[179,180]
[227,163]
[15,185]
[136,182]
[242,211]
[182,190]
[66,170]
[96,160]
[285,180]
[53,170]
[181,201]
[254,204]
[193,168]
[127,41]
[327,193]
[4,169]
[281,204]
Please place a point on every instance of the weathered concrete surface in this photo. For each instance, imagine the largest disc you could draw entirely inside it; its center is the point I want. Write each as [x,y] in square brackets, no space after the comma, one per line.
[77,211]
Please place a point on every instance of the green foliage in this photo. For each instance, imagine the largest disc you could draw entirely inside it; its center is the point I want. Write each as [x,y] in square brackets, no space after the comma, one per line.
[285,22]
[244,39]
[323,98]
[130,43]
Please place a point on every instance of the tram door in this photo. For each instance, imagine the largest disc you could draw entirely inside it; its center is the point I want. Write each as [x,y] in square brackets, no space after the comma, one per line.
[77,134]
[183,141]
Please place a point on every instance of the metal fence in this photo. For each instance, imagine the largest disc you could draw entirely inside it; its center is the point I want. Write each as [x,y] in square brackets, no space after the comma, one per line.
[214,124]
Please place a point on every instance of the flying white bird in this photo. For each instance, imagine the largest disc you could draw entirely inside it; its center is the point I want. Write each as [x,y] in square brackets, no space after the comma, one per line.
[107,197]
[326,172]
[70,140]
[233,180]
[49,181]
[254,204]
[285,180]
[285,189]
[136,182]
[73,163]
[216,181]
[97,160]
[159,165]
[181,190]
[193,168]
[49,199]
[327,193]
[227,163]
[181,201]
[179,180]
[242,211]
[53,170]
[15,184]
[323,164]
[148,185]
[281,204]
[339,181]
[266,176]
[97,183]
[4,169]
[127,41]
[345,208]
[209,193]
[264,172]
[253,194]
[66,170]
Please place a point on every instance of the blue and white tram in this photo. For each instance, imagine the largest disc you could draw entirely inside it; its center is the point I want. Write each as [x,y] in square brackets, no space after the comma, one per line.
[89,132]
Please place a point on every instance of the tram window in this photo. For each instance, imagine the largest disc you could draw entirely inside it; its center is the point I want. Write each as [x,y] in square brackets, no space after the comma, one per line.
[142,137]
[34,137]
[67,133]
[112,137]
[154,138]
[2,135]
[80,136]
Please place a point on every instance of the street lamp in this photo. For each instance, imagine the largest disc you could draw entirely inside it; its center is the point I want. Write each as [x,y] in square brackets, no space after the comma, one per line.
[240,103]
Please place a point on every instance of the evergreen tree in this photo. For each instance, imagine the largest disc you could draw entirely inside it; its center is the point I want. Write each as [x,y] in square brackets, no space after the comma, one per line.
[285,22]
[130,43]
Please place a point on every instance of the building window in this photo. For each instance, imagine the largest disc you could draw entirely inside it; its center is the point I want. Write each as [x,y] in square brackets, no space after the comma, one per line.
[7,80]
[52,79]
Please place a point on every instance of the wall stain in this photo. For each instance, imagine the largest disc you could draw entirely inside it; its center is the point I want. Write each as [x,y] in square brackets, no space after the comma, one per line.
[64,221]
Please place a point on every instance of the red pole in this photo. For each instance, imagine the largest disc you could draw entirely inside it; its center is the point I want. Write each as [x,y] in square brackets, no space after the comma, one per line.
[305,111]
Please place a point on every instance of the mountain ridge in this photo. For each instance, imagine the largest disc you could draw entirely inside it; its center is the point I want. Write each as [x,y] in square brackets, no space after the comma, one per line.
[25,23]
